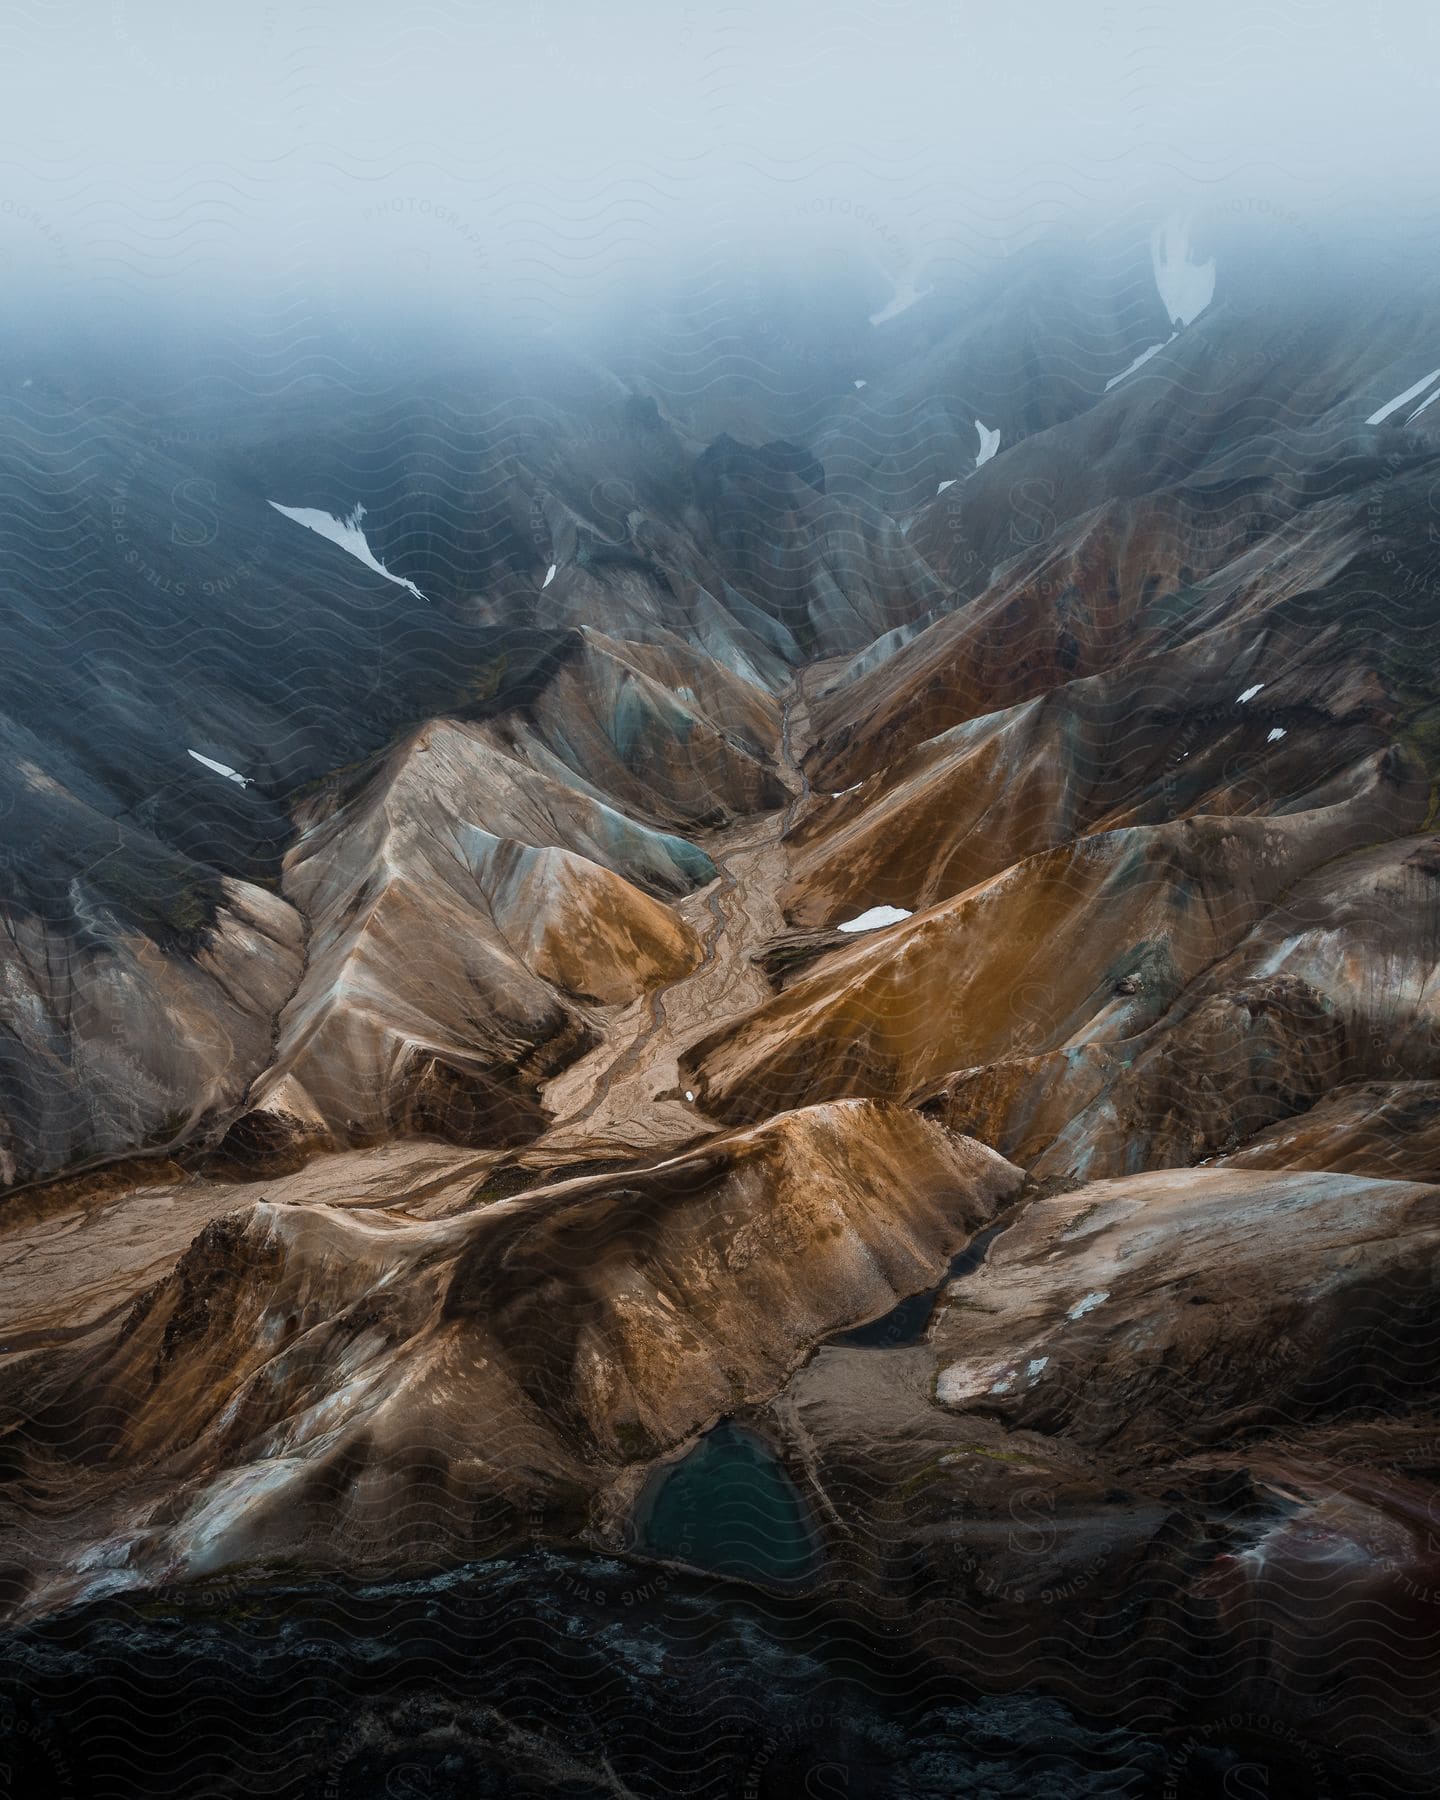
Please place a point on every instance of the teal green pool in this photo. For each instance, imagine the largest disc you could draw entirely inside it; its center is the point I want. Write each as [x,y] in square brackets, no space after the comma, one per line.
[729,1506]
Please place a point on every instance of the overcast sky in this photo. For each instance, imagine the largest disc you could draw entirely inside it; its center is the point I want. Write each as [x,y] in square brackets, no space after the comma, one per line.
[153,146]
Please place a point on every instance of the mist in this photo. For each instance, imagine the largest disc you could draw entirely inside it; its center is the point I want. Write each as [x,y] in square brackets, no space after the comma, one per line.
[343,169]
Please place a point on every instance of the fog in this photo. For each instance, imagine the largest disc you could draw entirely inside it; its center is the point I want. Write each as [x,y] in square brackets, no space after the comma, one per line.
[357,162]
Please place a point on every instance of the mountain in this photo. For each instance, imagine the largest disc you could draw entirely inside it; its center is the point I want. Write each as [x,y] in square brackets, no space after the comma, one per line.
[644,962]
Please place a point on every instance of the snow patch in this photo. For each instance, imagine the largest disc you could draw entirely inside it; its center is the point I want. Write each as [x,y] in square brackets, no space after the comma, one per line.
[1379,417]
[1186,288]
[205,1532]
[1249,693]
[347,534]
[220,768]
[877,916]
[1036,1368]
[904,297]
[690,1094]
[989,443]
[1275,736]
[549,575]
[965,1382]
[1421,407]
[860,384]
[1143,357]
[1278,957]
[1088,1304]
[944,484]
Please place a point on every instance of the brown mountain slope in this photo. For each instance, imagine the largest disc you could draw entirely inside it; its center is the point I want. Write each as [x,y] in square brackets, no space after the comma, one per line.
[1075,947]
[313,1379]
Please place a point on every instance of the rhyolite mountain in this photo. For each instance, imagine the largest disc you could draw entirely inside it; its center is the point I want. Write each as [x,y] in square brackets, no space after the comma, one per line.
[874,881]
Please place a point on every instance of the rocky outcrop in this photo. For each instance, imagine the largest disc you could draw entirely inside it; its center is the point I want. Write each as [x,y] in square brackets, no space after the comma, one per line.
[1382,1128]
[451,968]
[1335,983]
[664,731]
[1173,735]
[1162,1450]
[1296,1296]
[309,1380]
[1080,947]
[123,1043]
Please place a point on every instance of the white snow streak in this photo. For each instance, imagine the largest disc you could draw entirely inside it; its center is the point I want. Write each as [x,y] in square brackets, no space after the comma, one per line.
[1143,357]
[1430,401]
[1186,287]
[905,295]
[347,534]
[1390,406]
[220,768]
[877,916]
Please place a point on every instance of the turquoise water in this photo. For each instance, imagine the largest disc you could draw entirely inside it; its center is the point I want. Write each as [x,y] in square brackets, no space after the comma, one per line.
[729,1506]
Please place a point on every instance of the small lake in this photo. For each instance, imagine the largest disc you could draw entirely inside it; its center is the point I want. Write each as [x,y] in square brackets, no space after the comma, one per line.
[905,1323]
[728,1506]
